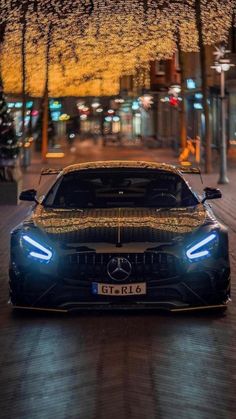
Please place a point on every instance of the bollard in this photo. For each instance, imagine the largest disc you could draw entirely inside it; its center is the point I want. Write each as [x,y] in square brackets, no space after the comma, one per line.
[198,149]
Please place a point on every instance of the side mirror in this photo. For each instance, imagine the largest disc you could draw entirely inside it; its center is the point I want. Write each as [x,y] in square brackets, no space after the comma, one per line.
[211,193]
[28,195]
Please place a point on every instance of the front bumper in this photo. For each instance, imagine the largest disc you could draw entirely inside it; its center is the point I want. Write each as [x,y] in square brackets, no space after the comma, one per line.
[193,289]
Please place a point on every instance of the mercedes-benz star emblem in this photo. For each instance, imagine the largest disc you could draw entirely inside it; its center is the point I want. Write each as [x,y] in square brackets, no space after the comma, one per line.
[119,269]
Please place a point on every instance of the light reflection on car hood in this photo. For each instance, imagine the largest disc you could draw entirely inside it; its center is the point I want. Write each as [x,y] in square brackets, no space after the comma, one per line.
[176,220]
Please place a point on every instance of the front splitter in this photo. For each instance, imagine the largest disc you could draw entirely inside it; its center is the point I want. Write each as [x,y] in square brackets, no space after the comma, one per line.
[99,306]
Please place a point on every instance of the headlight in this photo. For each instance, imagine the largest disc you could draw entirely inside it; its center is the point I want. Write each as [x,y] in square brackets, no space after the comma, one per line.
[37,250]
[202,248]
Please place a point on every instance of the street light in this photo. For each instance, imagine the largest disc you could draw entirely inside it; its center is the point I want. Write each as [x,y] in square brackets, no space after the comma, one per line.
[221,66]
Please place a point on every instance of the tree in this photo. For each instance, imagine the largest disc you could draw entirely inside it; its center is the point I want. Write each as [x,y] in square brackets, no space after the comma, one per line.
[203,67]
[46,110]
[23,22]
[44,127]
[183,128]
[39,126]
[9,145]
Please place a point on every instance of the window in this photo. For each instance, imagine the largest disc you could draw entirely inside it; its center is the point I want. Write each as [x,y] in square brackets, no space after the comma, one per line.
[176,58]
[160,68]
[234,40]
[126,83]
[116,188]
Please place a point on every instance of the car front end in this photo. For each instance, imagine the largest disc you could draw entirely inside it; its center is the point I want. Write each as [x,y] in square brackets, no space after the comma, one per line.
[175,259]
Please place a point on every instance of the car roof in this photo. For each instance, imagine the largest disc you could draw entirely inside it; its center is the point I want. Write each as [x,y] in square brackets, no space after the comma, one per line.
[120,164]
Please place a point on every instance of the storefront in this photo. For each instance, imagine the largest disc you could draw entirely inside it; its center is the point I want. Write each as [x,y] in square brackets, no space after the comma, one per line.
[16,111]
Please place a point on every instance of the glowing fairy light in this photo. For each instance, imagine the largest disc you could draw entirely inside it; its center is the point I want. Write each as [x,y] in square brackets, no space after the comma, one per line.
[95,42]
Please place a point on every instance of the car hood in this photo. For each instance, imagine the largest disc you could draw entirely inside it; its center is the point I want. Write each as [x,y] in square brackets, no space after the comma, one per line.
[117,224]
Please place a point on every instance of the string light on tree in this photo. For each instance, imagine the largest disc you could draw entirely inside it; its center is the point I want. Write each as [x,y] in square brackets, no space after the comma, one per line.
[95,42]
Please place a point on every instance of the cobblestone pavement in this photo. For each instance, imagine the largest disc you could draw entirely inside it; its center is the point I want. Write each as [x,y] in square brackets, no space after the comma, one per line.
[119,365]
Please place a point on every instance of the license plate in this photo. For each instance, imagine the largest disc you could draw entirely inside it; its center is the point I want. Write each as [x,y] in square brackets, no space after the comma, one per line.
[119,290]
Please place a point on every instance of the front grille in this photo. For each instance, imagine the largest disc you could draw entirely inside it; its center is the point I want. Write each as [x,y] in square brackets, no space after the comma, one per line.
[145,266]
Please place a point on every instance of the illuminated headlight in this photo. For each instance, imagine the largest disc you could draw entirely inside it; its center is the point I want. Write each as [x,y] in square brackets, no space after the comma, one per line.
[202,249]
[37,250]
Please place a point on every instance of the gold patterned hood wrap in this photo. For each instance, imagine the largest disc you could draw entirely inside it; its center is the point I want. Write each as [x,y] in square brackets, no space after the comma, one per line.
[102,225]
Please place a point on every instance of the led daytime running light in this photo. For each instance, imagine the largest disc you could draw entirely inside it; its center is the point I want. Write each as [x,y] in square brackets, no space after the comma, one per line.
[47,253]
[202,253]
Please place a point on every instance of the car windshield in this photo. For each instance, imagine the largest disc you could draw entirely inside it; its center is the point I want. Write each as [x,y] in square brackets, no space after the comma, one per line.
[126,188]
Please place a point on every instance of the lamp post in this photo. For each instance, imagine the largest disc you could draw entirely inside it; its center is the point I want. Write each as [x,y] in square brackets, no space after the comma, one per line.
[221,66]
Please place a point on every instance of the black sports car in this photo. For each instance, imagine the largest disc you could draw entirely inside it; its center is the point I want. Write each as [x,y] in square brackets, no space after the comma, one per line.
[120,234]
